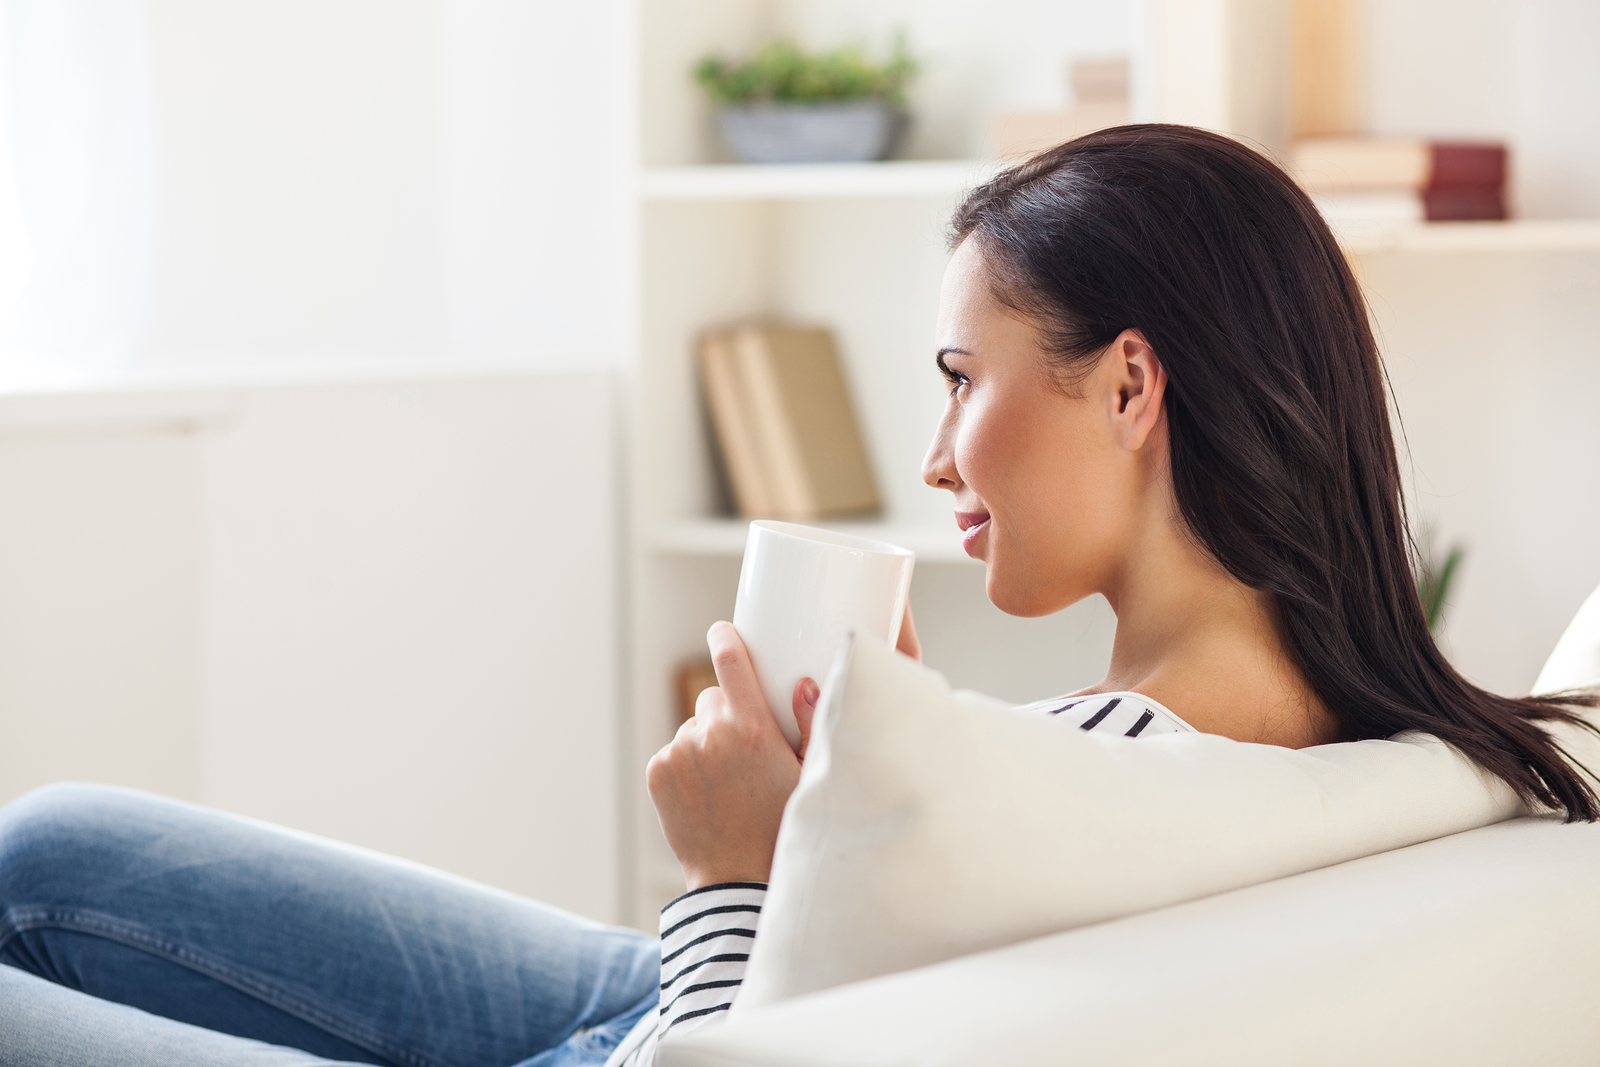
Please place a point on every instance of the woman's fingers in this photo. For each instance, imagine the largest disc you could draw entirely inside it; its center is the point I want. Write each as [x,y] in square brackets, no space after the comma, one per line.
[908,643]
[706,704]
[804,707]
[736,676]
[806,693]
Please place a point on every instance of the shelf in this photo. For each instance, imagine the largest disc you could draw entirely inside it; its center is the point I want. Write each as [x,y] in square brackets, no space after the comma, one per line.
[813,181]
[726,537]
[1517,235]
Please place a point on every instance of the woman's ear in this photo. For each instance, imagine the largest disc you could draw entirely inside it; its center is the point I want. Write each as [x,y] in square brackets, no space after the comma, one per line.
[1139,382]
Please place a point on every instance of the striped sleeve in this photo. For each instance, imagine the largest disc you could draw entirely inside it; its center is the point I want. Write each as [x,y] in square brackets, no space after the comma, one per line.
[706,936]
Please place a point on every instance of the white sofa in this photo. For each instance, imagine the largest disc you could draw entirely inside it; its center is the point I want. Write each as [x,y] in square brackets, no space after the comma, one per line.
[1478,948]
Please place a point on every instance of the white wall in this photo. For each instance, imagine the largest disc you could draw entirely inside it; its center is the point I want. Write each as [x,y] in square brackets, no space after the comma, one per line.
[411,626]
[534,151]
[1494,357]
[299,185]
[383,612]
[299,181]
[81,151]
[1495,363]
[100,614]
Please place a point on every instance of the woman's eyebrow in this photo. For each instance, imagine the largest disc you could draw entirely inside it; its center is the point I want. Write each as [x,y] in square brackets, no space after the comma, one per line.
[939,359]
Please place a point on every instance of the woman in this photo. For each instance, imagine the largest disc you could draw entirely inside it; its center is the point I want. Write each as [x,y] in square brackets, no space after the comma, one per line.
[1163,388]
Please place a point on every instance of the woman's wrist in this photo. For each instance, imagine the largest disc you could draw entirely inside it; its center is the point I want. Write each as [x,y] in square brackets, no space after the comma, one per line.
[699,878]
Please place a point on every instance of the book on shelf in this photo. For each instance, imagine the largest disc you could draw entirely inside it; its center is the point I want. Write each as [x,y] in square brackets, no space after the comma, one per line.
[1379,179]
[693,677]
[1100,99]
[1354,214]
[784,424]
[731,423]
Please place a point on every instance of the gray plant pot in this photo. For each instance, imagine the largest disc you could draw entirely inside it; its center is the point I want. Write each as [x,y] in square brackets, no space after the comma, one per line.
[850,132]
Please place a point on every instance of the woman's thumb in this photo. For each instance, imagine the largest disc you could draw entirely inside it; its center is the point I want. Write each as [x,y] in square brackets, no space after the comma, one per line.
[806,693]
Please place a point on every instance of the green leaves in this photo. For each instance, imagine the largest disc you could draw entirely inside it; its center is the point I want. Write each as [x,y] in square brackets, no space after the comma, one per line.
[781,71]
[1434,578]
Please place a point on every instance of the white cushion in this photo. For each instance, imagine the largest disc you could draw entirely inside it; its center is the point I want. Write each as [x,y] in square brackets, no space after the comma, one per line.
[1575,663]
[927,827]
[1478,949]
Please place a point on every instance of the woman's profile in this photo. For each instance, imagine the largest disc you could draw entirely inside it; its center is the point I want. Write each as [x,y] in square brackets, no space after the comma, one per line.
[1163,388]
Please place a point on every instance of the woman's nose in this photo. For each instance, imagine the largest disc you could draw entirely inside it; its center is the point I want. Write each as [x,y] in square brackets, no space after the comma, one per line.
[939,466]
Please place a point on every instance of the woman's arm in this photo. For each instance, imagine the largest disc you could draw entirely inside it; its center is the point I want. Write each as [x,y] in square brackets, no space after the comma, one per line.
[706,936]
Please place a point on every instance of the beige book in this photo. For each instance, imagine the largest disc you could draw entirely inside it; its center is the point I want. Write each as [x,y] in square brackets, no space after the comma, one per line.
[1348,164]
[728,401]
[1019,134]
[1103,81]
[802,417]
[1100,95]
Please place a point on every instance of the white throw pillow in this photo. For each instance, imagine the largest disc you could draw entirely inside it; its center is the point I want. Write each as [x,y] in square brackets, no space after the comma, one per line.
[928,825]
[1575,664]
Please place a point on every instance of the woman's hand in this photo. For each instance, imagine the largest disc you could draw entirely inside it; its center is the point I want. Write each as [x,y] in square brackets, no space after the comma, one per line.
[908,644]
[720,786]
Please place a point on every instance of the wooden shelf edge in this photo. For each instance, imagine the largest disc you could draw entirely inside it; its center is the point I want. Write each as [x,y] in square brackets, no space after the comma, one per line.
[1515,235]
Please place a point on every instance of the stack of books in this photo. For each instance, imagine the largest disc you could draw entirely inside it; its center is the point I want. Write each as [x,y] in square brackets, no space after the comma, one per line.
[784,425]
[1365,181]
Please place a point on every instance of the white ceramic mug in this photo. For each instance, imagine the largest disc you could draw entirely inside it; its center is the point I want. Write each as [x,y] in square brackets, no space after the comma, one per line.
[801,590]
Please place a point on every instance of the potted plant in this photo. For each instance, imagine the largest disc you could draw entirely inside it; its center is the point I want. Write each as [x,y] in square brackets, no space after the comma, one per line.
[786,105]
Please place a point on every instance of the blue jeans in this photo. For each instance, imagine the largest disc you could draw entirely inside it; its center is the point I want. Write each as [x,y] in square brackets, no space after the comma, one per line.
[138,931]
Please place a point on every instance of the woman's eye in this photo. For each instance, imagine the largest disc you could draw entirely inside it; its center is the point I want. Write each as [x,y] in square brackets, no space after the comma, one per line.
[955,381]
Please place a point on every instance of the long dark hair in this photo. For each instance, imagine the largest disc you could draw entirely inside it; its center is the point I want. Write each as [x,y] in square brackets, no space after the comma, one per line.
[1283,460]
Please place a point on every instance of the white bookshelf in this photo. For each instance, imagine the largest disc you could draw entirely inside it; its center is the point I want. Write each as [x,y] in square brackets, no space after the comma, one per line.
[857,248]
[861,249]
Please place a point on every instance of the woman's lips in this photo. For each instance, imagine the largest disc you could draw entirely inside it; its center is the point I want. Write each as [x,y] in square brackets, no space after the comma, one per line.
[974,523]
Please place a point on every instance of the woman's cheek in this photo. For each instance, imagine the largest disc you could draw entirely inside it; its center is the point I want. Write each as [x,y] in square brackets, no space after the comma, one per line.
[972,448]
[989,456]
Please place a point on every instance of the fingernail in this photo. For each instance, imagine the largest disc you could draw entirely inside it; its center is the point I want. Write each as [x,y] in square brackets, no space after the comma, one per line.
[810,693]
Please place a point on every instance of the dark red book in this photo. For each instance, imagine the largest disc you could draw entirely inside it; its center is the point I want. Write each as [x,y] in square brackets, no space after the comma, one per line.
[1462,203]
[1457,164]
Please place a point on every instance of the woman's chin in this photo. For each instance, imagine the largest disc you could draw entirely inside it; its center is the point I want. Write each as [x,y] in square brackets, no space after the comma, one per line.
[1024,599]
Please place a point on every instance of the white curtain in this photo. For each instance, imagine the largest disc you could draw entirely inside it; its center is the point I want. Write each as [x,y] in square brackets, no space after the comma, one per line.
[78,101]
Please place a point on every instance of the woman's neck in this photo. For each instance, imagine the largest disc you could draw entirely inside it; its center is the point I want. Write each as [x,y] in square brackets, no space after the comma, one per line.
[1204,644]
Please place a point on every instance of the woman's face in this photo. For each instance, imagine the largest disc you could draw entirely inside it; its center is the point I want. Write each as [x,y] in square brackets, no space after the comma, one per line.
[1048,479]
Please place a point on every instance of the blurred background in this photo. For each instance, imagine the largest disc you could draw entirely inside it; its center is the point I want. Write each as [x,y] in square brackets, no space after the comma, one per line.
[354,467]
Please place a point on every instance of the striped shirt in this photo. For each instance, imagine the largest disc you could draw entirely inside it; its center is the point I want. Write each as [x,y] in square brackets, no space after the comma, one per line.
[706,934]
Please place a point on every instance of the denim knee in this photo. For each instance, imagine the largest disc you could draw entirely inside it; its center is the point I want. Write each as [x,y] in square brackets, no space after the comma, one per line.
[47,838]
